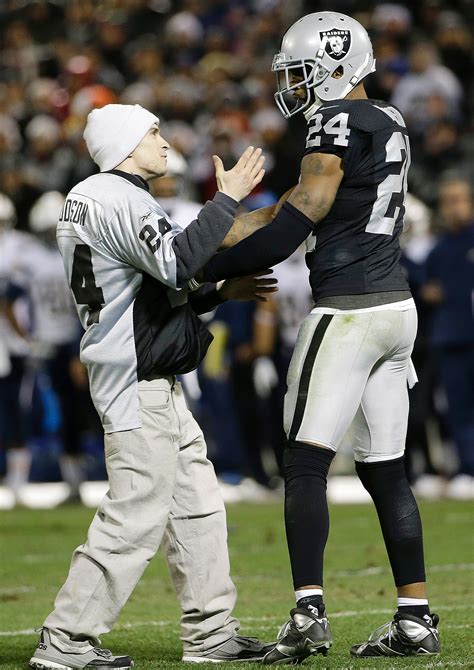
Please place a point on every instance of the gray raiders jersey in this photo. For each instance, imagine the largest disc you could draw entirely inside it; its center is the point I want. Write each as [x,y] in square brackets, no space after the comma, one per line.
[128,265]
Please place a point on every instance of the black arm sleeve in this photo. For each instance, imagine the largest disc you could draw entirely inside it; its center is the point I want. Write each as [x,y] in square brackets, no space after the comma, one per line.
[203,237]
[205,298]
[266,247]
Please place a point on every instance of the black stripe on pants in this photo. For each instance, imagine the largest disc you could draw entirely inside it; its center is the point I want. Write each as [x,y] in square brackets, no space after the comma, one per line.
[305,378]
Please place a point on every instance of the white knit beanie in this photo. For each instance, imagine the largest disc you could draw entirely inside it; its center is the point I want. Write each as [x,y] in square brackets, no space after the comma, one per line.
[114,131]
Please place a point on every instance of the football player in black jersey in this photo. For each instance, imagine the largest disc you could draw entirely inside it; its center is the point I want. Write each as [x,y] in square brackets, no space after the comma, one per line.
[351,364]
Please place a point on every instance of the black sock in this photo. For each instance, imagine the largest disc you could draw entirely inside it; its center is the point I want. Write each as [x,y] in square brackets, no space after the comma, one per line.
[306,510]
[416,610]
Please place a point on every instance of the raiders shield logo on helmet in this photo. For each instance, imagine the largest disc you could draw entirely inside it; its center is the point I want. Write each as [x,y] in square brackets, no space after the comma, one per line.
[338,42]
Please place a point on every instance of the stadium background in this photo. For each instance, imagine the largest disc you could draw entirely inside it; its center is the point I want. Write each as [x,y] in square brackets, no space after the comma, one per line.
[204,68]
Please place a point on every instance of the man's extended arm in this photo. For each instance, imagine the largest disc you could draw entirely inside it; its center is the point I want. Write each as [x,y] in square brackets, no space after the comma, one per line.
[309,202]
[321,175]
[249,223]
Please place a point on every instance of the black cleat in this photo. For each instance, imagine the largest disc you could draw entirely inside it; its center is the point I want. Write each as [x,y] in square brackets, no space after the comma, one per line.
[406,635]
[306,633]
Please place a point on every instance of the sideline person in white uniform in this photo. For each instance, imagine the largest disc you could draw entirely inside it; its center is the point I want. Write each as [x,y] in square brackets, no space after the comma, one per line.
[129,267]
[52,331]
[15,252]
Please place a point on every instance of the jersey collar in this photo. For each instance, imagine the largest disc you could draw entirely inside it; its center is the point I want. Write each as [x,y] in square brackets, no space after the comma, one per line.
[132,178]
[311,111]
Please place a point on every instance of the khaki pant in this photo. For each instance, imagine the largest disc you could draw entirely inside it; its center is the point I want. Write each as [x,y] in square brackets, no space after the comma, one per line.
[163,490]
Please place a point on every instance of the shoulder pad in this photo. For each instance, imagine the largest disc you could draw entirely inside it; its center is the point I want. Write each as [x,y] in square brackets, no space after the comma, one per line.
[329,129]
[368,116]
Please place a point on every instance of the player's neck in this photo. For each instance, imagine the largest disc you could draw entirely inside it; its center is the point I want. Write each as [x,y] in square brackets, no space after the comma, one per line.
[129,165]
[357,93]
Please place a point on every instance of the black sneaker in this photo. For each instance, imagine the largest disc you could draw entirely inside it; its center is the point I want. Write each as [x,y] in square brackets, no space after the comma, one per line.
[56,651]
[406,635]
[237,648]
[307,632]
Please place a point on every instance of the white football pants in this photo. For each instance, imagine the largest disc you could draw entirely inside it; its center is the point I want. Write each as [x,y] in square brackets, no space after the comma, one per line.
[163,490]
[352,367]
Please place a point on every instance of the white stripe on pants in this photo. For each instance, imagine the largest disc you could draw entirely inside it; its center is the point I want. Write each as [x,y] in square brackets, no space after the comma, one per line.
[358,376]
[162,487]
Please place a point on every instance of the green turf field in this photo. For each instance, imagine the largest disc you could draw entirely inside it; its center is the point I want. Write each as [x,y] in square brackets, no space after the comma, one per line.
[35,548]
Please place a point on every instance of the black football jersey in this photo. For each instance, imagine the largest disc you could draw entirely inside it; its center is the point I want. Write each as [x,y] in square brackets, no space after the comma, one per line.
[355,248]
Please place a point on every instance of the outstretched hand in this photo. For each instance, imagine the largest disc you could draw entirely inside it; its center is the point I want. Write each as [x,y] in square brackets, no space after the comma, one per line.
[251,287]
[240,180]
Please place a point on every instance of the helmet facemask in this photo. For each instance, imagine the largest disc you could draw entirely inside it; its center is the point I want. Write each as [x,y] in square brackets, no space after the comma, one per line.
[293,76]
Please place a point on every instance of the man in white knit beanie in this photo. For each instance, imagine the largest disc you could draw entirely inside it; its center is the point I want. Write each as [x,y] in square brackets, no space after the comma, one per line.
[131,268]
[114,131]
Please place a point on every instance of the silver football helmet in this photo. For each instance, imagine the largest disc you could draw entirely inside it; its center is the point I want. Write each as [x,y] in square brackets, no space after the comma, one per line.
[326,54]
[45,212]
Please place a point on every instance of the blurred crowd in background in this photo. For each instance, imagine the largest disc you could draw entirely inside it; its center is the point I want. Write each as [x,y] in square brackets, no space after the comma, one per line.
[203,66]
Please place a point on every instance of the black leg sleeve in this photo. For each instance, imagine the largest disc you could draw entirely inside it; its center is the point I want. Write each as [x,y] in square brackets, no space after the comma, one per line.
[306,510]
[387,484]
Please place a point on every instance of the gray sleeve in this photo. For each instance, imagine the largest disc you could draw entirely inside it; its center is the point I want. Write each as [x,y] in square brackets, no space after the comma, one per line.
[203,237]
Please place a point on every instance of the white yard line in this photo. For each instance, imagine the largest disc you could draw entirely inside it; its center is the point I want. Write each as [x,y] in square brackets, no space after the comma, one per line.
[366,572]
[40,558]
[447,664]
[461,625]
[14,633]
[13,590]
[448,567]
[353,613]
[250,619]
